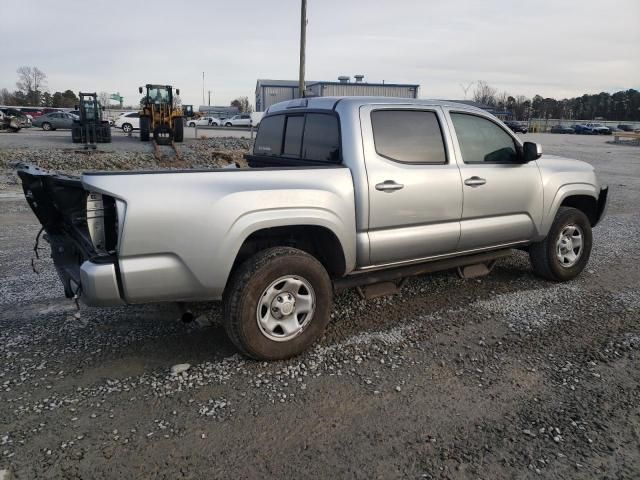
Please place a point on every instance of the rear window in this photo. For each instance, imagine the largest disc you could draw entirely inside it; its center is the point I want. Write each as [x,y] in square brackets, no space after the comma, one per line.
[310,137]
[408,136]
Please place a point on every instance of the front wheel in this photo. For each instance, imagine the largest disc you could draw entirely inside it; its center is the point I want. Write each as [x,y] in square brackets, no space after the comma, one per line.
[145,129]
[127,128]
[46,126]
[178,130]
[564,253]
[277,303]
[192,124]
[228,124]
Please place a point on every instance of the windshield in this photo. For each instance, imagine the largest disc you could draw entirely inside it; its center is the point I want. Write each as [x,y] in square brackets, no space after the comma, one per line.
[90,112]
[158,95]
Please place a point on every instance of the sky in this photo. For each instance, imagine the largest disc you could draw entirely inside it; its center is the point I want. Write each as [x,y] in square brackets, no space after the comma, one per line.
[548,47]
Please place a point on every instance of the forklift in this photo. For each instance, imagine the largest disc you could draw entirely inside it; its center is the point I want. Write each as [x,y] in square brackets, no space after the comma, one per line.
[90,128]
[159,116]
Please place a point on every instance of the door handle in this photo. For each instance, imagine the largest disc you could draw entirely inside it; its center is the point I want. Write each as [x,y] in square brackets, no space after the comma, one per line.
[475,181]
[389,186]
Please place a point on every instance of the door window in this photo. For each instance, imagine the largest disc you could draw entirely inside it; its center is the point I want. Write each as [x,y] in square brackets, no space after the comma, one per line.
[482,141]
[408,136]
[321,138]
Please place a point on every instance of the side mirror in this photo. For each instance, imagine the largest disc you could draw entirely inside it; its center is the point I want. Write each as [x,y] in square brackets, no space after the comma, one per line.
[177,91]
[531,151]
[140,89]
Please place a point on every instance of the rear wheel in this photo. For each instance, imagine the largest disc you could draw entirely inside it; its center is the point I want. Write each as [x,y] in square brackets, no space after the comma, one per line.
[46,126]
[76,135]
[104,133]
[145,128]
[277,303]
[564,253]
[178,129]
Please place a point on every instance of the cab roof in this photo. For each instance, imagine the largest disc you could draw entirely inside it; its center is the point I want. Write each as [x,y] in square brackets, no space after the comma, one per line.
[330,103]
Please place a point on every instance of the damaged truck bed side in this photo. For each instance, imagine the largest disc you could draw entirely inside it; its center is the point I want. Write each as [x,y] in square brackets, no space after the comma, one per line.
[342,192]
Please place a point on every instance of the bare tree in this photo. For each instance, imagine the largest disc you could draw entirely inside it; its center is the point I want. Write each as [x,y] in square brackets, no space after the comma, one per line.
[243,104]
[502,100]
[31,81]
[6,98]
[103,98]
[484,93]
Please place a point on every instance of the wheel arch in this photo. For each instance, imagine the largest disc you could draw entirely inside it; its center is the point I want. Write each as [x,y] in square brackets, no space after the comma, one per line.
[317,240]
[583,196]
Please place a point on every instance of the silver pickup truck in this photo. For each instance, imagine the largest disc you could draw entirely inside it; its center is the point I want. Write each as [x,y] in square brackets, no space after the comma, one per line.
[341,192]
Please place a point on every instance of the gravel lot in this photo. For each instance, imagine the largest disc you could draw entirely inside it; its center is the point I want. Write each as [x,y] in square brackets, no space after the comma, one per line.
[506,377]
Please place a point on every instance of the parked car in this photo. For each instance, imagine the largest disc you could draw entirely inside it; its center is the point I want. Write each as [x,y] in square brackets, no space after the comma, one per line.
[54,120]
[517,127]
[625,127]
[17,117]
[33,111]
[204,121]
[561,129]
[128,122]
[242,120]
[9,120]
[360,192]
[596,129]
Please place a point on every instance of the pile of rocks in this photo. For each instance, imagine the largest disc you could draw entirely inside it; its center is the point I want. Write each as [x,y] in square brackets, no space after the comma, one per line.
[206,153]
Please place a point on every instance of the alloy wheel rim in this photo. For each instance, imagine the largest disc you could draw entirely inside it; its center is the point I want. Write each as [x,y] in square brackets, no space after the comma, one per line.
[569,245]
[285,308]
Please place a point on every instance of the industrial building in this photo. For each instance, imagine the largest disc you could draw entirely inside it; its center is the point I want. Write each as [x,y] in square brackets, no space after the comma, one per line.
[269,92]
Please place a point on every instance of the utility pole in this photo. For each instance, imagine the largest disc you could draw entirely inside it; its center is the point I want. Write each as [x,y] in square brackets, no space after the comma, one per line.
[202,88]
[303,44]
[209,97]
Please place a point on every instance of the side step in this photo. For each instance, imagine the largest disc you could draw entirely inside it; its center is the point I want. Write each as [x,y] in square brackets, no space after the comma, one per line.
[469,266]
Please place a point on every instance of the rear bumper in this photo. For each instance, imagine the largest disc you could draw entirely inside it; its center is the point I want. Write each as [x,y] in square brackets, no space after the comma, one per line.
[99,284]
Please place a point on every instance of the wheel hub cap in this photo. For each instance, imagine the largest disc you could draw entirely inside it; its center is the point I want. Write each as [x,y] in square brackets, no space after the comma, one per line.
[285,308]
[569,245]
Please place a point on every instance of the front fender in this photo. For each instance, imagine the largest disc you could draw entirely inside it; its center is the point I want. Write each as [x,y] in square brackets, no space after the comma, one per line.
[565,191]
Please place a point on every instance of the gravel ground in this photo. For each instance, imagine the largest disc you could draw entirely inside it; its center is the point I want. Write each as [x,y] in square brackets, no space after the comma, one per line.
[506,376]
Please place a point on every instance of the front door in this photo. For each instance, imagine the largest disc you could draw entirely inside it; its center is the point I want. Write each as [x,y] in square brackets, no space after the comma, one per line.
[502,197]
[415,194]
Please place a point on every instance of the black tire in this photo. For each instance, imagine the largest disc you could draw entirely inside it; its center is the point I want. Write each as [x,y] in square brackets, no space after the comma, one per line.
[127,127]
[178,129]
[76,135]
[192,124]
[46,126]
[104,134]
[246,287]
[145,128]
[214,124]
[543,255]
[228,124]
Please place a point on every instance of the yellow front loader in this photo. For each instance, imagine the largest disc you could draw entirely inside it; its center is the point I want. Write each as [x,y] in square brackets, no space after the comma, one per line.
[159,116]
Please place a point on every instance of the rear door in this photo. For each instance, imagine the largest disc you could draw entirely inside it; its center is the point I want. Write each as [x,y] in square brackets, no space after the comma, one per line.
[415,193]
[502,197]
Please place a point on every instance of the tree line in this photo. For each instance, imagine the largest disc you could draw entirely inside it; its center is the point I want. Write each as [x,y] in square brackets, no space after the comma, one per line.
[32,91]
[623,105]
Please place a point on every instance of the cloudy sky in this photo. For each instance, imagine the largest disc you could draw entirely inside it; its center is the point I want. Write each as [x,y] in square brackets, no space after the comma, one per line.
[550,47]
